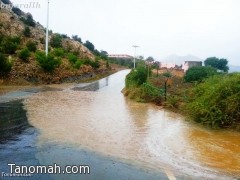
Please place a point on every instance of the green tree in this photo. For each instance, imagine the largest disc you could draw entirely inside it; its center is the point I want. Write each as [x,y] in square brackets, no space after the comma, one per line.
[156,65]
[76,38]
[24,54]
[9,45]
[104,55]
[48,63]
[28,20]
[89,45]
[150,59]
[56,41]
[198,73]
[220,64]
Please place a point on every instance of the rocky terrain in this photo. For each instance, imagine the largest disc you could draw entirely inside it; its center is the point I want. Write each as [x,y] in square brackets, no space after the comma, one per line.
[13,24]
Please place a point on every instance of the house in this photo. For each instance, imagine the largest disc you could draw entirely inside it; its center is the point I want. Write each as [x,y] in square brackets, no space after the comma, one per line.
[189,64]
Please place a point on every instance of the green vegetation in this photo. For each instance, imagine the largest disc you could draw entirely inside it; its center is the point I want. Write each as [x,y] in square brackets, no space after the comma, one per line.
[78,64]
[32,46]
[216,102]
[95,64]
[72,58]
[48,63]
[139,89]
[17,11]
[136,77]
[8,45]
[89,45]
[59,52]
[213,101]
[28,20]
[123,62]
[24,54]
[5,65]
[198,74]
[27,32]
[220,64]
[76,38]
[56,41]
[167,74]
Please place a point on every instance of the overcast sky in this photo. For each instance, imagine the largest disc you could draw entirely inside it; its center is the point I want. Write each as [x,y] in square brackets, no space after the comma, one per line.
[202,28]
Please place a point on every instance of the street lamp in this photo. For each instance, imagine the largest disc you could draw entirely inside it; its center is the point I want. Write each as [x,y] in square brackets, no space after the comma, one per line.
[135,47]
[46,46]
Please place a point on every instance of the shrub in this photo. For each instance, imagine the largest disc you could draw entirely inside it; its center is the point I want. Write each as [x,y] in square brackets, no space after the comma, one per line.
[48,63]
[59,52]
[32,46]
[76,38]
[167,74]
[136,77]
[5,65]
[216,102]
[17,11]
[199,73]
[27,32]
[95,64]
[24,54]
[72,58]
[78,64]
[9,44]
[28,20]
[56,41]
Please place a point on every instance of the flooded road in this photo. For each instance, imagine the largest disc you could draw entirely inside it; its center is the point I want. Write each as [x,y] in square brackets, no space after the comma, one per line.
[96,117]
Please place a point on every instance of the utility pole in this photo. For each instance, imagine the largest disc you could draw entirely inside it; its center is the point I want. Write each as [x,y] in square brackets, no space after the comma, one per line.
[134,61]
[47,30]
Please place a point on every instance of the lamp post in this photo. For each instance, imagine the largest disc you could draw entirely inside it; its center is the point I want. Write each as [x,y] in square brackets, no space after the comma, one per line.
[134,61]
[46,46]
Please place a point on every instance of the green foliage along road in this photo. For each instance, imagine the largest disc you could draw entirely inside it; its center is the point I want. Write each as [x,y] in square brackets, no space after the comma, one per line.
[216,102]
[198,74]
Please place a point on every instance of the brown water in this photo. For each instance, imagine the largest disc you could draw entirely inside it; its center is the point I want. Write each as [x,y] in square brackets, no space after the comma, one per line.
[143,134]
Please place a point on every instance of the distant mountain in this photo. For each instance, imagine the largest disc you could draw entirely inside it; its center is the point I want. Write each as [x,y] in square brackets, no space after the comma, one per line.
[180,59]
[233,68]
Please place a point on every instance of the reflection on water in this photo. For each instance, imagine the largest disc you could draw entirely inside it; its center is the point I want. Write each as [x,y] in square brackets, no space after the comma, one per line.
[106,122]
[13,120]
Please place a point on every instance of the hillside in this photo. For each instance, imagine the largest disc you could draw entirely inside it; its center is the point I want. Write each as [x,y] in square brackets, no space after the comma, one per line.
[22,61]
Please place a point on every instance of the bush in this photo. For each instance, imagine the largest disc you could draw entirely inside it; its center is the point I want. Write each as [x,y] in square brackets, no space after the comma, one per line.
[59,52]
[78,64]
[48,63]
[95,64]
[167,74]
[198,73]
[32,46]
[17,11]
[216,102]
[5,65]
[28,20]
[9,44]
[136,77]
[56,41]
[27,32]
[24,54]
[72,58]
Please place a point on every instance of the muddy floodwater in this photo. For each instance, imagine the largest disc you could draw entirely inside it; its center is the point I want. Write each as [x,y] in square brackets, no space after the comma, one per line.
[97,117]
